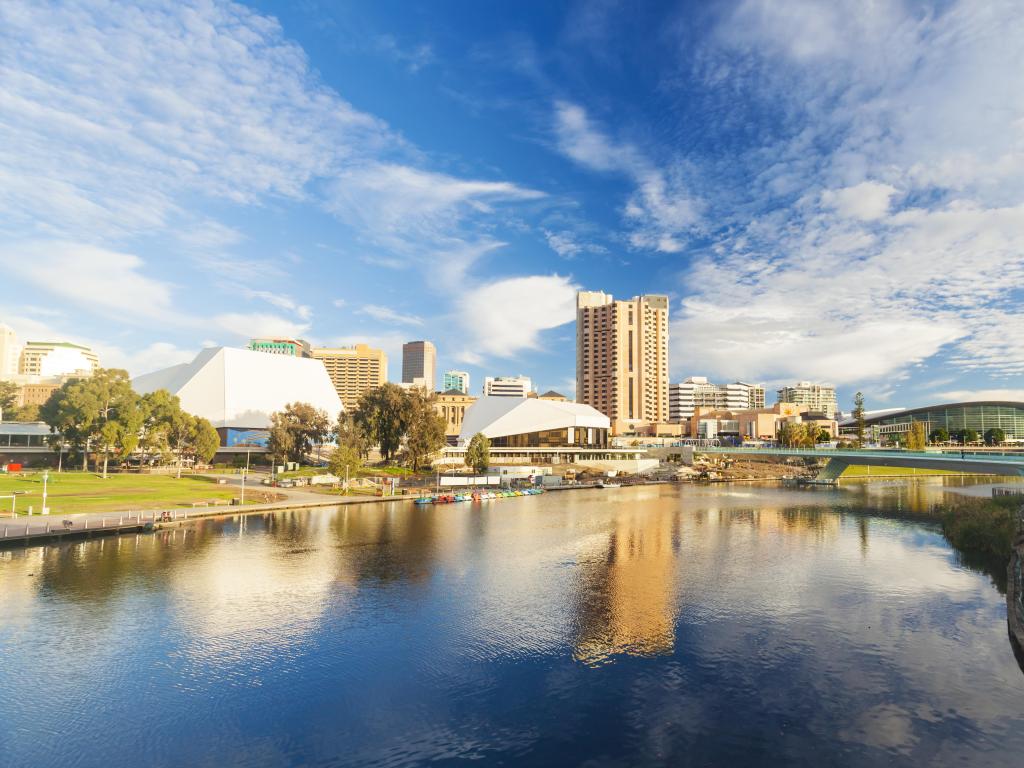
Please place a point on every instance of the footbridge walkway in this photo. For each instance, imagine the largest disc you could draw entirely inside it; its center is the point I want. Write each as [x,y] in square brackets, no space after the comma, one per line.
[987,463]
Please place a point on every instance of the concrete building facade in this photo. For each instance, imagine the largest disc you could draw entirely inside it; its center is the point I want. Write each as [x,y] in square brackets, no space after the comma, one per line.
[238,390]
[419,361]
[451,406]
[353,370]
[10,352]
[817,397]
[622,356]
[457,380]
[52,359]
[697,392]
[507,386]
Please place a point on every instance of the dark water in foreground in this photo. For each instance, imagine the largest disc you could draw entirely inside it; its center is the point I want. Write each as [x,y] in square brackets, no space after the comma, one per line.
[721,625]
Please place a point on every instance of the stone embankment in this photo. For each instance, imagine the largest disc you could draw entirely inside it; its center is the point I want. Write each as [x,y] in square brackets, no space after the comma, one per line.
[1015,586]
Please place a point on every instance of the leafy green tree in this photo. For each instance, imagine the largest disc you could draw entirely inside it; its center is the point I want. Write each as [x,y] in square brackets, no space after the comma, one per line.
[994,436]
[858,418]
[345,461]
[940,435]
[789,434]
[478,454]
[281,440]
[205,441]
[425,433]
[914,438]
[383,414]
[159,411]
[180,431]
[297,429]
[82,409]
[349,433]
[968,436]
[8,398]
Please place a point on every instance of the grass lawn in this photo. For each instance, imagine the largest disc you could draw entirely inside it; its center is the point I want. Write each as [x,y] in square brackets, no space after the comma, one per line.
[70,492]
[857,470]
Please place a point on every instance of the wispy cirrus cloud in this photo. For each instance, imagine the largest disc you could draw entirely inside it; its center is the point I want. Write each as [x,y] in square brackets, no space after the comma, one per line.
[389,315]
[883,221]
[125,121]
[661,211]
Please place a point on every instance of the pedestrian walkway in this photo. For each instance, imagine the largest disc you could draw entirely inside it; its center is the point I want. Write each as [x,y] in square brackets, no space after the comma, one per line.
[38,528]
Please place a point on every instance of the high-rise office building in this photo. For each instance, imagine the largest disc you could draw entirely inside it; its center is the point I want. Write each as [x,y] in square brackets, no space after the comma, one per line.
[820,398]
[353,370]
[622,356]
[419,364]
[457,381]
[507,386]
[10,352]
[292,347]
[50,359]
[698,392]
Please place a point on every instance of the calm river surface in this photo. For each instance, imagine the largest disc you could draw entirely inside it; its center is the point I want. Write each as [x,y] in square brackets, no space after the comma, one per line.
[704,625]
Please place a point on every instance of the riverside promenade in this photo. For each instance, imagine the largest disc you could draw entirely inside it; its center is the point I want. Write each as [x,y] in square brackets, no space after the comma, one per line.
[41,529]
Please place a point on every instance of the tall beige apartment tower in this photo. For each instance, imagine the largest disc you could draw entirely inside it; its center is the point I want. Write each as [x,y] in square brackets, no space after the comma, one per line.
[622,356]
[419,364]
[353,370]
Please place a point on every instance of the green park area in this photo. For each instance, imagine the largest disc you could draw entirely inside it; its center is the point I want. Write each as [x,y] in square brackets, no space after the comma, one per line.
[71,492]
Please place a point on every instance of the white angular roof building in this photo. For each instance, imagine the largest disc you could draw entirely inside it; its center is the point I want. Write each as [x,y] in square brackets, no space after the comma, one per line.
[240,388]
[527,422]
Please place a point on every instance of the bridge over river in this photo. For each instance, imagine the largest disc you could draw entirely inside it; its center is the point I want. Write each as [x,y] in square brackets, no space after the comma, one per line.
[988,463]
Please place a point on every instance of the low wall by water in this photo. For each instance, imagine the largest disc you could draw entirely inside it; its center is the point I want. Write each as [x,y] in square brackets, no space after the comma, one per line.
[1015,586]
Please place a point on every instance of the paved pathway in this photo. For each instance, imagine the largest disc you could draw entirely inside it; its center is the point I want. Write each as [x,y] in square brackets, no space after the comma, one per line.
[24,527]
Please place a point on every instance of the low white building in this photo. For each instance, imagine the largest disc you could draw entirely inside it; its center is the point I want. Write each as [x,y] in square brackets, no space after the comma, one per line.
[238,389]
[529,422]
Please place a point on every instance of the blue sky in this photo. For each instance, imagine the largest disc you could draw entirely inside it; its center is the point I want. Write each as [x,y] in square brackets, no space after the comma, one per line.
[826,190]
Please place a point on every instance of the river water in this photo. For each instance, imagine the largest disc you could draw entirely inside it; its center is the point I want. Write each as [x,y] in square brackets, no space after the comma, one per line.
[698,625]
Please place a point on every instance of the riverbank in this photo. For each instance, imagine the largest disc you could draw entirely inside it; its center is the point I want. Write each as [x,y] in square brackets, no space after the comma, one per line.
[1015,588]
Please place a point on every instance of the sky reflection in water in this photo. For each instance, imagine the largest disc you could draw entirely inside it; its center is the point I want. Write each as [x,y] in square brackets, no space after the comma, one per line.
[639,626]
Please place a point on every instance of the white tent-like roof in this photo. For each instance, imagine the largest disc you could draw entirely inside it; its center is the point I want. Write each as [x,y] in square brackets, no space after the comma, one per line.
[502,416]
[241,388]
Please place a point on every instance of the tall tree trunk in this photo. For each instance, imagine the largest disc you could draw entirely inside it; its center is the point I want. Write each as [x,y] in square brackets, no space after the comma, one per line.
[85,458]
[105,456]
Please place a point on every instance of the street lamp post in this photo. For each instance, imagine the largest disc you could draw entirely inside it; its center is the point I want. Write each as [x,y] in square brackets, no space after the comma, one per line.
[46,475]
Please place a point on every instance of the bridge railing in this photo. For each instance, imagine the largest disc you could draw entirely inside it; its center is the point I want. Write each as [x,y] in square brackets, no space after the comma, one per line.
[867,452]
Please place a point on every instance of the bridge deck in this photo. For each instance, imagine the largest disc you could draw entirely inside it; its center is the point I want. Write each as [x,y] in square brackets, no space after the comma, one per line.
[982,463]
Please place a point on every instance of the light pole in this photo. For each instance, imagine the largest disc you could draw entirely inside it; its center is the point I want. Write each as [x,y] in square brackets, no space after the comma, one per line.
[244,473]
[46,475]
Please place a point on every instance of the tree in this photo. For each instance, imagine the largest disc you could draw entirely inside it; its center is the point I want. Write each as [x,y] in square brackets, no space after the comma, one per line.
[345,461]
[8,398]
[914,438]
[281,440]
[940,435]
[159,411]
[204,440]
[994,436]
[350,434]
[295,430]
[789,434]
[383,414]
[425,433]
[858,417]
[478,454]
[968,436]
[82,410]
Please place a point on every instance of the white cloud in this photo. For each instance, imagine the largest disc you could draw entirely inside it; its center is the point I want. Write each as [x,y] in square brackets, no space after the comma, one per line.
[281,301]
[388,315]
[568,245]
[866,201]
[661,211]
[248,325]
[111,283]
[890,205]
[505,317]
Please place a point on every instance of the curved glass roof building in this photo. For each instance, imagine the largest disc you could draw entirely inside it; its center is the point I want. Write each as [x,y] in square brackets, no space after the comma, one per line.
[980,416]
